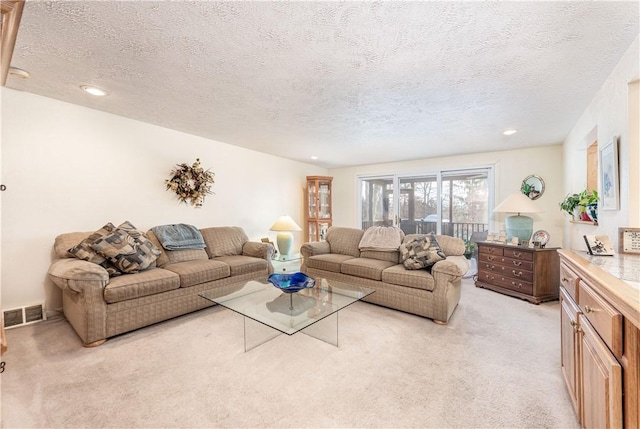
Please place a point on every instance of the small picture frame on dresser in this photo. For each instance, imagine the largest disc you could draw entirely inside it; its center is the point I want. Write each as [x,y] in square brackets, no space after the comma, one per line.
[629,240]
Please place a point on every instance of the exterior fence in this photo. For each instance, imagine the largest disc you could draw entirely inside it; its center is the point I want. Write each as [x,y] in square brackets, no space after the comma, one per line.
[461,230]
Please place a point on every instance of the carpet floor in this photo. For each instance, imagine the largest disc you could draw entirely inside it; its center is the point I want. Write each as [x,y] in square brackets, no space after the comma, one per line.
[495,365]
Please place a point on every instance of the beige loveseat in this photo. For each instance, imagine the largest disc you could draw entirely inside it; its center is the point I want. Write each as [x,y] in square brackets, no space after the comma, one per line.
[432,293]
[99,306]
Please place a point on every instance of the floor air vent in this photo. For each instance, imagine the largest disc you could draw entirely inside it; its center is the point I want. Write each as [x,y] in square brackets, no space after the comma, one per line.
[23,315]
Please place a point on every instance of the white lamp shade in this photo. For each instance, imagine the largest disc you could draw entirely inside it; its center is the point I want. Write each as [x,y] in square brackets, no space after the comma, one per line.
[517,203]
[285,223]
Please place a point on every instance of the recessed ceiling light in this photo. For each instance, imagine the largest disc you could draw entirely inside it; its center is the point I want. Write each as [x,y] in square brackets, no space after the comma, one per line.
[93,90]
[15,71]
[314,157]
[509,132]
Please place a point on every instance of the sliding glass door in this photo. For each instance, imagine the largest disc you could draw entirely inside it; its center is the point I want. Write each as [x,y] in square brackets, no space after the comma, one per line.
[376,203]
[450,202]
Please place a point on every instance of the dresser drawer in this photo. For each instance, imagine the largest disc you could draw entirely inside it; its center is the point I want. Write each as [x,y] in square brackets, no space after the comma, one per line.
[605,319]
[495,278]
[515,284]
[517,274]
[569,280]
[490,250]
[490,258]
[517,263]
[518,254]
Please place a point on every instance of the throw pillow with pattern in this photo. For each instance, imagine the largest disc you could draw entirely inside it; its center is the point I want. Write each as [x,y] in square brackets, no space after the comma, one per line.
[420,252]
[84,251]
[127,248]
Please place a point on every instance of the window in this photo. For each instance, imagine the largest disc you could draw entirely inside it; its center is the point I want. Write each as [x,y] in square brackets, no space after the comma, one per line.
[450,202]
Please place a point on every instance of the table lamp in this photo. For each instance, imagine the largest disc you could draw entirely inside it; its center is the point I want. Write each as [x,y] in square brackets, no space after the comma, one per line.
[284,225]
[518,225]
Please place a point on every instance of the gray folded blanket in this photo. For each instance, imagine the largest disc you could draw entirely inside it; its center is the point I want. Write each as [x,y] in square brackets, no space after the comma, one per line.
[179,236]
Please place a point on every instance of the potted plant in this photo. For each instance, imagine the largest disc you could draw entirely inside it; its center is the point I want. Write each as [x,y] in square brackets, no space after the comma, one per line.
[570,204]
[582,206]
[589,204]
[469,249]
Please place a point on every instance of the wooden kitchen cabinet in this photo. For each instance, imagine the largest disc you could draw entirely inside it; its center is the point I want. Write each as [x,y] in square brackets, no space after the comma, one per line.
[600,341]
[527,273]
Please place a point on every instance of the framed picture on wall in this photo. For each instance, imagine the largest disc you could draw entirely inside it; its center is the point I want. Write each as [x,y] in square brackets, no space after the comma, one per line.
[609,183]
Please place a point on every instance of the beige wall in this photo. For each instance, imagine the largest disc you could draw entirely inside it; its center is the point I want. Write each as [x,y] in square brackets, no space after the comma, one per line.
[612,112]
[510,167]
[69,168]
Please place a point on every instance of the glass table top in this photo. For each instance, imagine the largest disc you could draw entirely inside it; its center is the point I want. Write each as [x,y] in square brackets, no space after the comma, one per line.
[287,313]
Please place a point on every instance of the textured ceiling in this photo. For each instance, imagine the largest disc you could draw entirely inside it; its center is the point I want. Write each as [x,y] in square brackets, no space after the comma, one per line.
[350,82]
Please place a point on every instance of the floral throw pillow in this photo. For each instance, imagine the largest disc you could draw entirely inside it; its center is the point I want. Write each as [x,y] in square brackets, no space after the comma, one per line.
[127,248]
[420,252]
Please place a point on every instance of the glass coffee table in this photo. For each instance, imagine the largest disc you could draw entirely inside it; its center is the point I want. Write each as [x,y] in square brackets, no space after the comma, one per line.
[269,312]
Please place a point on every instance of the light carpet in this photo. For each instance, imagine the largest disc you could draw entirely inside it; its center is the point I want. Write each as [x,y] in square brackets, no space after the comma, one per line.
[495,365]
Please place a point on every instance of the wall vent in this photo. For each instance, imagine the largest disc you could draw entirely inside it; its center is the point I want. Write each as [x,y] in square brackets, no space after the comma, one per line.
[23,315]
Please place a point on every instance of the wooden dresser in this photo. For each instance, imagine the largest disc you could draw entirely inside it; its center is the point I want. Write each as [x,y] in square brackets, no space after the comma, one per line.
[600,337]
[522,272]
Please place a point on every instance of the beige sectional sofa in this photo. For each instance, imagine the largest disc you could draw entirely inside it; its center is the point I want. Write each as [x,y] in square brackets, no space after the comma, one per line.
[433,293]
[99,306]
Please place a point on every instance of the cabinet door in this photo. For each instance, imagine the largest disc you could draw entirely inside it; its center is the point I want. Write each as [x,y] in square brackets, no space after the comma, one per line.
[601,381]
[569,348]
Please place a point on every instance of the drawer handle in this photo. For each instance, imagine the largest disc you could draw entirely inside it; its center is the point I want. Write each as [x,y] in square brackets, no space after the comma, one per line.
[491,258]
[517,254]
[518,285]
[564,280]
[517,274]
[574,325]
[517,263]
[588,309]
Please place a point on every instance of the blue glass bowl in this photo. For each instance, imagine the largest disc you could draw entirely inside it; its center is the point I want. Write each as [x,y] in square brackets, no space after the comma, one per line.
[291,283]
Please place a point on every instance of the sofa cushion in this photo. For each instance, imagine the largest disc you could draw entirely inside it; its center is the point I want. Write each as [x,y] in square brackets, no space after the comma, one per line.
[399,275]
[224,240]
[389,255]
[345,241]
[365,267]
[193,273]
[144,283]
[245,264]
[175,256]
[327,262]
[421,252]
[127,248]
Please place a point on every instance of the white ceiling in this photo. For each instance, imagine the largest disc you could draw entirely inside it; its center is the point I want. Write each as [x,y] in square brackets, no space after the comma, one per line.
[350,82]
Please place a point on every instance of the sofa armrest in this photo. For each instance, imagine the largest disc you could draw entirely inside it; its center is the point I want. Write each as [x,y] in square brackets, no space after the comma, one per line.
[315,248]
[311,249]
[455,266]
[258,250]
[69,273]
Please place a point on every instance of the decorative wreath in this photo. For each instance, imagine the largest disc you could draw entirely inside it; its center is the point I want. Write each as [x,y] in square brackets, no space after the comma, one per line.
[191,183]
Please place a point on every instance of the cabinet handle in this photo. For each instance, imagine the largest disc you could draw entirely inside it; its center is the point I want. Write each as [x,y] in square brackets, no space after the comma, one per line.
[588,309]
[564,280]
[517,263]
[575,326]
[517,274]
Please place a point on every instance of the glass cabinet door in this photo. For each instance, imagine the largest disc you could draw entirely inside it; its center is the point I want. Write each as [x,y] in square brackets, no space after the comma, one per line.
[318,207]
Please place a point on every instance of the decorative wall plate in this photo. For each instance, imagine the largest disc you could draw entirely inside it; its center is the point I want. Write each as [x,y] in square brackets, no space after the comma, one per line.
[541,236]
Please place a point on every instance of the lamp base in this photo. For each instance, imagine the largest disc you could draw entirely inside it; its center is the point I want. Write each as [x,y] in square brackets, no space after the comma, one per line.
[519,226]
[285,242]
